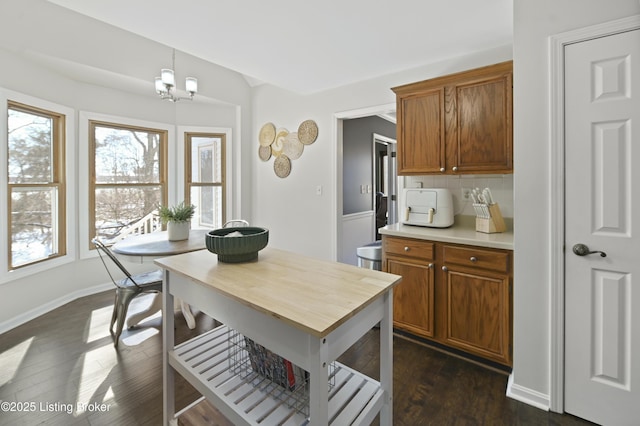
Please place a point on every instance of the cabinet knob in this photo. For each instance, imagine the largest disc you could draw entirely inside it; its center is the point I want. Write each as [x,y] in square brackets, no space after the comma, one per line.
[455,168]
[444,268]
[407,248]
[442,169]
[431,266]
[473,259]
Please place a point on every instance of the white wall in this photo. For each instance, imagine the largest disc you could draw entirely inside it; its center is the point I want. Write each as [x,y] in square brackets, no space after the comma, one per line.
[534,22]
[53,54]
[298,219]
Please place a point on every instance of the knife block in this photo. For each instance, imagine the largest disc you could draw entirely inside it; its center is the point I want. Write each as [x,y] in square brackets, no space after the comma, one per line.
[494,223]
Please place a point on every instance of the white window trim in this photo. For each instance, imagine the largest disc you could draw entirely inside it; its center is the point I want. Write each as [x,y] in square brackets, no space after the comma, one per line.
[83,167]
[70,191]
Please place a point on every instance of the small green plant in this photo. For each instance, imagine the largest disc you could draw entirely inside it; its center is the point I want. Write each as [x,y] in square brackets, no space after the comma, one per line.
[178,213]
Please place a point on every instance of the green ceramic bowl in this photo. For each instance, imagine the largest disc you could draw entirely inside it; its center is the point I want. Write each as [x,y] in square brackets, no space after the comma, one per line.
[237,244]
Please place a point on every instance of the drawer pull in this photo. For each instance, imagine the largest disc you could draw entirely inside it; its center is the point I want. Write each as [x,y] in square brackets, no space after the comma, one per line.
[444,268]
[473,259]
[431,266]
[407,248]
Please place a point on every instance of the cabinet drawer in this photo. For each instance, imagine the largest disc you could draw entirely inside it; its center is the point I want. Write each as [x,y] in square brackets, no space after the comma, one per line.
[478,258]
[409,247]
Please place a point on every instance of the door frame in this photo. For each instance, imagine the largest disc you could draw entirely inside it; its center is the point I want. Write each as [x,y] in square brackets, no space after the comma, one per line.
[385,111]
[557,44]
[377,138]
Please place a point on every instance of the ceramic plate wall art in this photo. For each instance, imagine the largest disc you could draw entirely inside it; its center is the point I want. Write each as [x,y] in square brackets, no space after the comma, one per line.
[278,144]
[285,146]
[292,146]
[308,132]
[267,134]
[264,152]
[282,166]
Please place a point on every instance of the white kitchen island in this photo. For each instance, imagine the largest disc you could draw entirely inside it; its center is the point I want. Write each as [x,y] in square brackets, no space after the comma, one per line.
[306,310]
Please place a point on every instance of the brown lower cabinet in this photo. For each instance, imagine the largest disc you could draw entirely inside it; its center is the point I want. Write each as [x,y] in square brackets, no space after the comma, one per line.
[457,295]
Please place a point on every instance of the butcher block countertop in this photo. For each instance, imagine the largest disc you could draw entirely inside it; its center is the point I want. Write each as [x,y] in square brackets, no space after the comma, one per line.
[316,296]
[461,232]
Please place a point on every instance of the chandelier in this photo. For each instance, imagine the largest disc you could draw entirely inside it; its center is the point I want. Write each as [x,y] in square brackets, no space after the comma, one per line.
[165,84]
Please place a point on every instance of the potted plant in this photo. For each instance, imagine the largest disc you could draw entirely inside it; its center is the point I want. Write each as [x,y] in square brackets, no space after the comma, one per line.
[178,220]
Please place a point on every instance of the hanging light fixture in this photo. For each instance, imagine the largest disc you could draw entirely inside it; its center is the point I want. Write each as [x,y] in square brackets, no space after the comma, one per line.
[165,84]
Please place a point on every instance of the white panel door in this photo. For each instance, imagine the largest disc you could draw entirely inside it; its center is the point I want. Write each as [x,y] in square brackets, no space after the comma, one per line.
[602,195]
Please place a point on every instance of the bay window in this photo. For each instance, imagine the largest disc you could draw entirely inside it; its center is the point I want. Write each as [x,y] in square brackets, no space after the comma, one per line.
[36,184]
[205,178]
[128,179]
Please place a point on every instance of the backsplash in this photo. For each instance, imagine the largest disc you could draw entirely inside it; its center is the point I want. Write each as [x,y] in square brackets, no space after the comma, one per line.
[501,189]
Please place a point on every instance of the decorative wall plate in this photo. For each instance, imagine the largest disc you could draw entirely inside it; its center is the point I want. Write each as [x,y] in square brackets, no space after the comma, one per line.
[292,146]
[267,134]
[308,132]
[264,152]
[278,144]
[282,166]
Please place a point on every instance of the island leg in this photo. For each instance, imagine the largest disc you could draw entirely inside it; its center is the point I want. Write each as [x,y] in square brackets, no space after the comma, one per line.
[319,383]
[168,342]
[386,360]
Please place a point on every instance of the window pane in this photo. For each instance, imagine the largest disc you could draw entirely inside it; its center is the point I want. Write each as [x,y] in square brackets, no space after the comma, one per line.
[208,202]
[118,209]
[30,147]
[32,215]
[126,156]
[206,159]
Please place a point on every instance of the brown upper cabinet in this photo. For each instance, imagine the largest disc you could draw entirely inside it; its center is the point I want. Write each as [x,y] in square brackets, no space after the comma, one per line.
[457,124]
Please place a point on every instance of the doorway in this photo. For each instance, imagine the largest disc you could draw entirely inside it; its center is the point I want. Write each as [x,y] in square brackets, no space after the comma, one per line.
[385,182]
[355,192]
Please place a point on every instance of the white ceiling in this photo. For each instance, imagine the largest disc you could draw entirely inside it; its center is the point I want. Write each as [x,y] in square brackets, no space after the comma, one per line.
[308,46]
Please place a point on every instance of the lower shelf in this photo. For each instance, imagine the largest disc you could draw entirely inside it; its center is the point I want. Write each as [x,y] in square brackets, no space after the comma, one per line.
[205,362]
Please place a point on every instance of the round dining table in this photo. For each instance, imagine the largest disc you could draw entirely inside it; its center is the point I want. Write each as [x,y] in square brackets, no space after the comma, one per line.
[145,248]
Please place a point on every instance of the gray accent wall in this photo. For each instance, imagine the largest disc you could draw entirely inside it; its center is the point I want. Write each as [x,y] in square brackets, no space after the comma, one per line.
[357,160]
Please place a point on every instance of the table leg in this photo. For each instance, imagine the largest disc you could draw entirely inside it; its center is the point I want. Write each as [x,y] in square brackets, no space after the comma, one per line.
[188,316]
[156,306]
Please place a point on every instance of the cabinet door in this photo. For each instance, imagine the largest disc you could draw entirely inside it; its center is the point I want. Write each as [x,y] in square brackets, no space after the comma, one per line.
[478,314]
[420,132]
[479,126]
[413,304]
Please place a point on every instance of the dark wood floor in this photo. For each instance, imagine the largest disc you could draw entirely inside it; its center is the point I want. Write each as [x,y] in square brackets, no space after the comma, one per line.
[53,366]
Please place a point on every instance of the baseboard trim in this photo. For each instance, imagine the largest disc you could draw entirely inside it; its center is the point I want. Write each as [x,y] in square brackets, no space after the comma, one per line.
[527,396]
[50,306]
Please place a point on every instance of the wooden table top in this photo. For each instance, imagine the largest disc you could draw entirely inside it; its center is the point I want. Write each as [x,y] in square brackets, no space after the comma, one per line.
[313,295]
[157,244]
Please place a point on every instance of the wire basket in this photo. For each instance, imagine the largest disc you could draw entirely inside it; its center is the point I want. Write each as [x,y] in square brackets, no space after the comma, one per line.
[271,374]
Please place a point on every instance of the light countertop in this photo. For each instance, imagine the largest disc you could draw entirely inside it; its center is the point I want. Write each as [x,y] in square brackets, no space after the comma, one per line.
[313,295]
[463,231]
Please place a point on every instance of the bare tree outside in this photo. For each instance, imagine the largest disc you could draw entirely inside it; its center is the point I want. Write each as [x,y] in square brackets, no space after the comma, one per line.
[34,193]
[128,177]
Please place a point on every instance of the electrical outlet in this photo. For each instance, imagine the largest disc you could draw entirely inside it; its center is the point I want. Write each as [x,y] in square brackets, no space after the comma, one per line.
[466,193]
